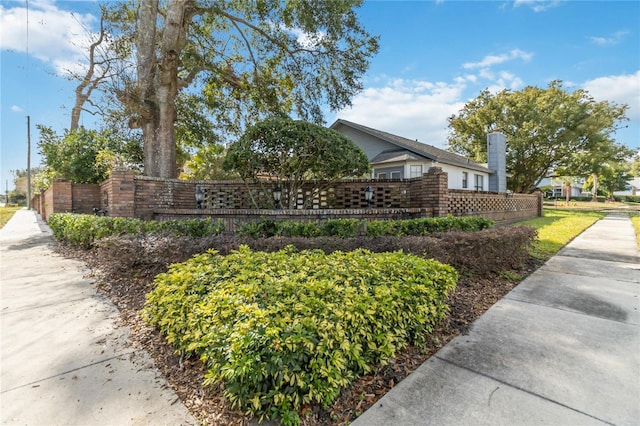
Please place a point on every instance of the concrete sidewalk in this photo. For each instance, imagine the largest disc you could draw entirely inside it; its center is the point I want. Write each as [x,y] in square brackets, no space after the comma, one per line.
[64,358]
[562,348]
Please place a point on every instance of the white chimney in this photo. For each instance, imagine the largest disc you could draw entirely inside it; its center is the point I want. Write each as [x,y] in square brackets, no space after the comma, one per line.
[497,161]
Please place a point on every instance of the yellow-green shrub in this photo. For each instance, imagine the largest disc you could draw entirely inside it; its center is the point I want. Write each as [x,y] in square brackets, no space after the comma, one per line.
[288,328]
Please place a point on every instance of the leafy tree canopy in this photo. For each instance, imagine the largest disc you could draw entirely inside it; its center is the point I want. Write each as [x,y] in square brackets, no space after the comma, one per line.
[547,130]
[207,164]
[292,151]
[84,156]
[634,167]
[613,177]
[246,60]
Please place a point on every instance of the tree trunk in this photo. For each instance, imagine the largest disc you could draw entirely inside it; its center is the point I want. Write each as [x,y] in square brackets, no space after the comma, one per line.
[158,83]
[594,196]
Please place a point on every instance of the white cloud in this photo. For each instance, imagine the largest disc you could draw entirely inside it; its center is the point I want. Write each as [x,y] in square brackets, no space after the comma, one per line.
[611,40]
[409,108]
[55,36]
[491,60]
[537,5]
[305,39]
[16,108]
[419,109]
[621,89]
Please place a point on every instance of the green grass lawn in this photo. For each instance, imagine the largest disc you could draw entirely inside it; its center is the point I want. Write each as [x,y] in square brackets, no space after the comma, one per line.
[6,213]
[558,227]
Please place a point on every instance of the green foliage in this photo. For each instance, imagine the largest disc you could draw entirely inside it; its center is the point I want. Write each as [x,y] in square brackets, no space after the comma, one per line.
[206,164]
[599,199]
[634,167]
[289,328]
[83,230]
[546,129]
[82,155]
[242,61]
[627,198]
[292,151]
[613,178]
[427,226]
[348,228]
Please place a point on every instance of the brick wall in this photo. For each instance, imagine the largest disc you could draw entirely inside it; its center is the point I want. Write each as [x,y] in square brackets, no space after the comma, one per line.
[127,195]
[67,197]
[117,194]
[499,207]
[85,197]
[57,198]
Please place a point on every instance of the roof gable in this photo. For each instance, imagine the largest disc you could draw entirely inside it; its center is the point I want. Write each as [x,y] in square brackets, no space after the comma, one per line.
[424,150]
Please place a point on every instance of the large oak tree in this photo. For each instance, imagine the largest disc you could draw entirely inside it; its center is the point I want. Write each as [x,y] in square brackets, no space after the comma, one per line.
[245,59]
[548,130]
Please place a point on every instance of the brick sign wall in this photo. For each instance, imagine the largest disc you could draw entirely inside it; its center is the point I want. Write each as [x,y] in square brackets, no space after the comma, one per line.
[126,195]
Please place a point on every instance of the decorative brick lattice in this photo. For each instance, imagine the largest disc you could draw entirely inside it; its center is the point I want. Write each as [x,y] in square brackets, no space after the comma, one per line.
[126,195]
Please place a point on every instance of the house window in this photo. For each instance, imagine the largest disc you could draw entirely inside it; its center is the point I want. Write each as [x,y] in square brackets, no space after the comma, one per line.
[382,175]
[479,182]
[415,171]
[465,180]
[395,175]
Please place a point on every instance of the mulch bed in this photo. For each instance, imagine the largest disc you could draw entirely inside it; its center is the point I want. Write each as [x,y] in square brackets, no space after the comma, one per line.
[127,291]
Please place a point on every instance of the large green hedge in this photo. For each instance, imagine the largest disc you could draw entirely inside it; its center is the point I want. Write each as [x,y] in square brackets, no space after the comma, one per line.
[83,229]
[348,228]
[291,327]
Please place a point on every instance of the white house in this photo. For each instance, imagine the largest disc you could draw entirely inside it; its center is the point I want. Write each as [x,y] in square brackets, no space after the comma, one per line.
[633,187]
[395,157]
[558,187]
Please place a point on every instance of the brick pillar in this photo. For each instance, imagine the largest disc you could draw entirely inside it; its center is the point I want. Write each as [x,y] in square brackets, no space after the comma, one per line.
[540,202]
[62,200]
[435,191]
[118,194]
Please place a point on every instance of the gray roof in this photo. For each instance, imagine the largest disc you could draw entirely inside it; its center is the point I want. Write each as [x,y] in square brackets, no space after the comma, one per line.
[393,156]
[422,149]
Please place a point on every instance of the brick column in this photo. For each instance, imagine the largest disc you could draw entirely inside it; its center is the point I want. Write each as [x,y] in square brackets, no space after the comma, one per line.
[540,202]
[435,191]
[62,201]
[118,194]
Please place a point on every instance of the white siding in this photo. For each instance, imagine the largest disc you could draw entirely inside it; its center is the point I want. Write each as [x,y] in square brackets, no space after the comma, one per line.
[372,146]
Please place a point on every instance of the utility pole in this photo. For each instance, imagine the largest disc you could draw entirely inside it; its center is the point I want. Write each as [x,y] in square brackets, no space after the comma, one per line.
[28,162]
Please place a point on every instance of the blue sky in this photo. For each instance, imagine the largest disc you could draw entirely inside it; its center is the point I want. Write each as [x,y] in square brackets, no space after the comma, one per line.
[434,57]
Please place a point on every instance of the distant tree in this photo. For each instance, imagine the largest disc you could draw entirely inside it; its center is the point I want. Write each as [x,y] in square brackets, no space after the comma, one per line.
[634,167]
[290,152]
[545,129]
[207,164]
[613,177]
[603,155]
[82,155]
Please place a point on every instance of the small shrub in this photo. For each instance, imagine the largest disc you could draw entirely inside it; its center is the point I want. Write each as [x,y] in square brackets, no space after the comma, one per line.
[482,252]
[627,198]
[83,230]
[341,228]
[350,228]
[292,327]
